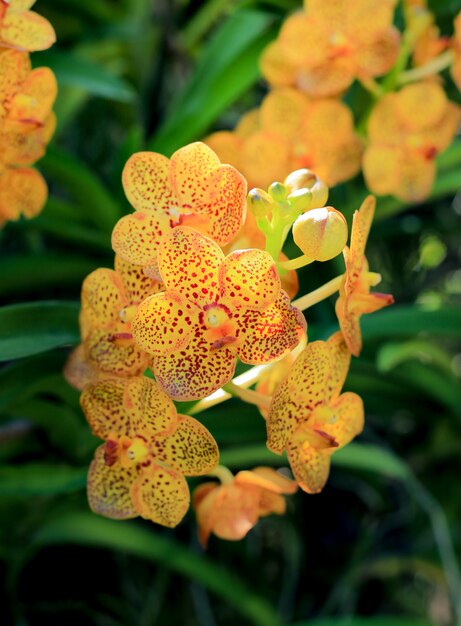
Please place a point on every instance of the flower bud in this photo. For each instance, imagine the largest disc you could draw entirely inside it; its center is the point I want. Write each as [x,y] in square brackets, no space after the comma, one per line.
[305,179]
[321,233]
[301,199]
[278,192]
[259,202]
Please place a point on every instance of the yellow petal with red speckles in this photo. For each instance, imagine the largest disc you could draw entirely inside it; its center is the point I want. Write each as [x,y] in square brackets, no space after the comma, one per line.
[103,297]
[109,488]
[224,203]
[340,359]
[36,97]
[188,263]
[190,449]
[136,284]
[146,182]
[348,418]
[136,237]
[190,165]
[361,225]
[161,495]
[270,333]
[149,407]
[113,351]
[26,31]
[283,418]
[249,279]
[23,191]
[308,377]
[163,323]
[349,324]
[15,68]
[195,371]
[421,104]
[310,466]
[102,403]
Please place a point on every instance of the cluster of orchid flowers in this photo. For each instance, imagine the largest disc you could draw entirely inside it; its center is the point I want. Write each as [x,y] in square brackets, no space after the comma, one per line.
[27,96]
[200,283]
[302,121]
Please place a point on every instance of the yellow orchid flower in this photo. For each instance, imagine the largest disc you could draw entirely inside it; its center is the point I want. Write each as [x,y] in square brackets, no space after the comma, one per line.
[22,29]
[214,309]
[148,450]
[324,48]
[309,418]
[191,188]
[355,298]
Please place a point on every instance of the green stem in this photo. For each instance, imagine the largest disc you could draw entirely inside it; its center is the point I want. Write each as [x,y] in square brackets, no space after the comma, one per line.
[325,291]
[223,473]
[434,67]
[294,264]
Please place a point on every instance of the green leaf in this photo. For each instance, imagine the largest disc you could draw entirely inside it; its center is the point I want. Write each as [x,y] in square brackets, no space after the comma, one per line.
[403,321]
[365,621]
[32,328]
[40,479]
[393,354]
[90,530]
[94,200]
[32,272]
[77,71]
[226,69]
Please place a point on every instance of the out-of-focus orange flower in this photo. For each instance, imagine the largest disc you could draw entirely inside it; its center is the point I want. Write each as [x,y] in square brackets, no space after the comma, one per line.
[191,188]
[293,131]
[355,298]
[323,49]
[22,29]
[214,309]
[456,46]
[109,300]
[309,418]
[420,24]
[26,126]
[148,450]
[231,509]
[406,131]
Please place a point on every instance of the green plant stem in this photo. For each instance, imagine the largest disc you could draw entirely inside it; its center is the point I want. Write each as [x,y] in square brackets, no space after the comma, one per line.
[434,67]
[295,264]
[326,290]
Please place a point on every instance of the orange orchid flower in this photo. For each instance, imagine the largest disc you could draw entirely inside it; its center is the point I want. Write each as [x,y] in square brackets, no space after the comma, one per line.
[231,509]
[148,450]
[309,418]
[107,345]
[324,48]
[456,46]
[292,131]
[355,298]
[214,309]
[22,29]
[191,188]
[26,126]
[406,131]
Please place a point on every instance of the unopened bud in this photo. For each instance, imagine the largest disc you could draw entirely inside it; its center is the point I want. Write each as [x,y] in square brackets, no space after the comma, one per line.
[278,192]
[301,199]
[321,233]
[259,202]
[306,179]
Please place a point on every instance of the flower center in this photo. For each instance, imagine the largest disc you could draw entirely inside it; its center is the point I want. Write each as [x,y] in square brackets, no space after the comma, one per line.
[126,451]
[220,328]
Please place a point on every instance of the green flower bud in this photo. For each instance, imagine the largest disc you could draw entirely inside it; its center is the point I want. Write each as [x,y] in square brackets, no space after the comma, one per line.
[321,233]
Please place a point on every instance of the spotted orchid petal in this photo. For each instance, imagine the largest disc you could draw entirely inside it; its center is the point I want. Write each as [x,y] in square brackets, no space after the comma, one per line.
[26,30]
[15,69]
[270,333]
[161,495]
[249,278]
[188,263]
[36,97]
[195,371]
[109,488]
[136,284]
[23,191]
[136,237]
[147,184]
[309,465]
[112,351]
[164,323]
[103,297]
[190,448]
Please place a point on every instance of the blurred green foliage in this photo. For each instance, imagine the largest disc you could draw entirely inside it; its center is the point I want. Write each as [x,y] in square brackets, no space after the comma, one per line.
[381,545]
